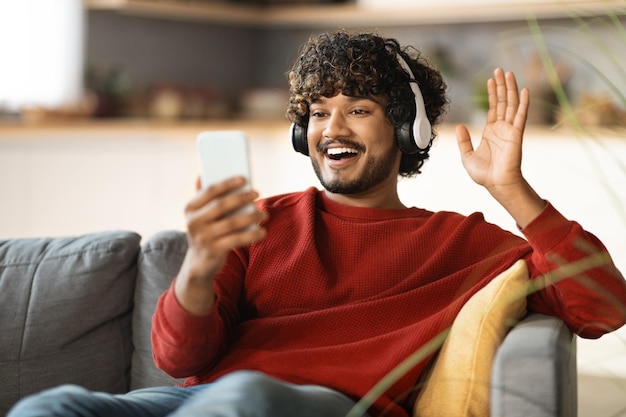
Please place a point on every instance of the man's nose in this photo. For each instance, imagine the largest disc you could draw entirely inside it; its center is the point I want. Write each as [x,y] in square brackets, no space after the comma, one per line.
[336,126]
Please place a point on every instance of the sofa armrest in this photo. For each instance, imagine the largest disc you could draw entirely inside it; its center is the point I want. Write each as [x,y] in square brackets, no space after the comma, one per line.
[159,261]
[534,372]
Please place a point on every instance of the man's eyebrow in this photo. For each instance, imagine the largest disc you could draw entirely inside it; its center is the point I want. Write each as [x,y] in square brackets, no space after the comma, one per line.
[322,99]
[359,98]
[375,99]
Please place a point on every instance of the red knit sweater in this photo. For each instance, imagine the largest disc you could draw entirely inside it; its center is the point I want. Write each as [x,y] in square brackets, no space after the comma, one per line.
[338,295]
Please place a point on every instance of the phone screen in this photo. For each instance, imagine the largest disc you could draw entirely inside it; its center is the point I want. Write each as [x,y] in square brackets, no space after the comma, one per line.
[223,154]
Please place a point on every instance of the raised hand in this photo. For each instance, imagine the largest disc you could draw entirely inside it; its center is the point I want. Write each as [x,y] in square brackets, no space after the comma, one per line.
[496,162]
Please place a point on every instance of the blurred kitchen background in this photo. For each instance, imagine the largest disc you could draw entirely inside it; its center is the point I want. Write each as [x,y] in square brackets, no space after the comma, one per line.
[206,59]
[101,101]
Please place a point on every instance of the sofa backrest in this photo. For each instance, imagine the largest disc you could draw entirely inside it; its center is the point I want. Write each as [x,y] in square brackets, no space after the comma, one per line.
[65,313]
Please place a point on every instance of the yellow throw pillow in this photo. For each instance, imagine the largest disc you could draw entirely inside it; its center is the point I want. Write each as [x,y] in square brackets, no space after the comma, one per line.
[460,378]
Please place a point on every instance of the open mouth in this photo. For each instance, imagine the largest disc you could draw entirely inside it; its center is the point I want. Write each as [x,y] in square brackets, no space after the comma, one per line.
[337,154]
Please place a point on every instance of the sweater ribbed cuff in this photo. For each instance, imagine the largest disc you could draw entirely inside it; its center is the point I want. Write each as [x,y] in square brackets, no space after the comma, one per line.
[547,230]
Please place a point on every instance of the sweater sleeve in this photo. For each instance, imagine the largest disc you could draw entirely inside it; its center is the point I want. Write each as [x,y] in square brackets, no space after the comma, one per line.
[574,276]
[184,344]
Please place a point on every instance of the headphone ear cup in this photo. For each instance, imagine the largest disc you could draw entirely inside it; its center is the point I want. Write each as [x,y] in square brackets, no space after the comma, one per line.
[419,129]
[405,139]
[298,139]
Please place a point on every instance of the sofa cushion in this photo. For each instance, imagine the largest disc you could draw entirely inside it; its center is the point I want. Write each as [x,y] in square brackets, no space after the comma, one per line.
[159,262]
[65,311]
[459,381]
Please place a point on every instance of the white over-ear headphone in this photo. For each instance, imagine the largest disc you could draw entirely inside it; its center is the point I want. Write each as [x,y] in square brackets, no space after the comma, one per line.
[421,129]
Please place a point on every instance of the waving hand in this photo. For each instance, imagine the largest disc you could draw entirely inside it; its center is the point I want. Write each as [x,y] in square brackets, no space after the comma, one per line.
[496,162]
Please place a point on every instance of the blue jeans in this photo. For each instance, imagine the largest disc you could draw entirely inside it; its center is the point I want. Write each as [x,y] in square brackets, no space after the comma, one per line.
[240,394]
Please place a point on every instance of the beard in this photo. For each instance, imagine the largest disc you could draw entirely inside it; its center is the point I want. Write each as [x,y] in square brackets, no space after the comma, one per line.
[376,172]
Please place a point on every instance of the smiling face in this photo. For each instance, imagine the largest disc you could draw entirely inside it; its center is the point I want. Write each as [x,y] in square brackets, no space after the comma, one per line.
[352,146]
[353,150]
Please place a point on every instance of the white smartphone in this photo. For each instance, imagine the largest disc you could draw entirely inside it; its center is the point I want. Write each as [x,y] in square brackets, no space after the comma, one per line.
[223,154]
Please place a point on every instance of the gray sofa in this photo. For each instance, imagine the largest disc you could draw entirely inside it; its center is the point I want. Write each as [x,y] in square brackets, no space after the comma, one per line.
[78,310]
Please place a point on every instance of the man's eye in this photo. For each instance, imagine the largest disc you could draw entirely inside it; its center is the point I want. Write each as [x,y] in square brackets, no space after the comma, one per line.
[317,114]
[359,111]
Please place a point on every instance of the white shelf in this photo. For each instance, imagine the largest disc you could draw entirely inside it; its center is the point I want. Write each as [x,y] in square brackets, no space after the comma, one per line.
[208,11]
[355,15]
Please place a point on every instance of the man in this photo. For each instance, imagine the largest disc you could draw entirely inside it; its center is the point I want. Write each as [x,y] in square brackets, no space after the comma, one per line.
[302,315]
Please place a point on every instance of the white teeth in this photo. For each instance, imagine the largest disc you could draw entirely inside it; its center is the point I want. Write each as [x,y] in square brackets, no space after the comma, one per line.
[339,151]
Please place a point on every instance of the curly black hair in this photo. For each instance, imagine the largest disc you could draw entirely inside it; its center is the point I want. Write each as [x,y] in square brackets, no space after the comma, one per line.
[362,65]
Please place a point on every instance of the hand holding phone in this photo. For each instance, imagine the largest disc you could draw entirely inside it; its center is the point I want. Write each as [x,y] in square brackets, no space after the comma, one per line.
[213,227]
